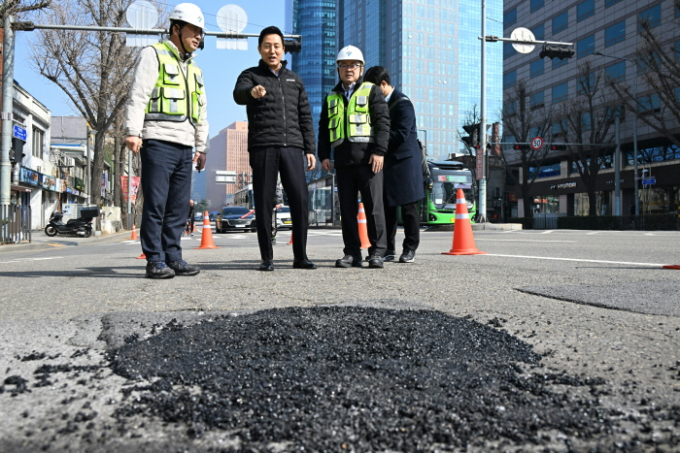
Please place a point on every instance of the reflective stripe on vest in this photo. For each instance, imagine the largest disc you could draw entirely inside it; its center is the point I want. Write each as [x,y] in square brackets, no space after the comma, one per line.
[356,125]
[168,100]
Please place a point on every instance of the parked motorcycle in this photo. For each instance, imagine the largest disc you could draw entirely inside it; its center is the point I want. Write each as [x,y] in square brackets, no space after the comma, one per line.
[82,226]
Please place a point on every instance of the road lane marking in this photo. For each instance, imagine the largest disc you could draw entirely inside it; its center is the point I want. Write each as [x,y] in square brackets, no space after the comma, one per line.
[23,260]
[483,238]
[575,259]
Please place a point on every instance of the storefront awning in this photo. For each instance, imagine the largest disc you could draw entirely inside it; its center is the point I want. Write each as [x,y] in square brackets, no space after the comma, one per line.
[21,189]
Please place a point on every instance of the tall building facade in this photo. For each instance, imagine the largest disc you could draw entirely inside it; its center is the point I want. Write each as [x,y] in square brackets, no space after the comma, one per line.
[315,21]
[432,52]
[228,152]
[608,42]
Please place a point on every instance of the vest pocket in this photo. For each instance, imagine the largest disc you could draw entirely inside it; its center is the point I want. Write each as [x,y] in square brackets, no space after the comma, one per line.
[172,98]
[155,101]
[171,74]
[360,118]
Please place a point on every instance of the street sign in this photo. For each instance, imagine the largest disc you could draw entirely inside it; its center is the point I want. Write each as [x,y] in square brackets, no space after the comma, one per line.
[648,182]
[225,177]
[536,143]
[19,132]
[523,34]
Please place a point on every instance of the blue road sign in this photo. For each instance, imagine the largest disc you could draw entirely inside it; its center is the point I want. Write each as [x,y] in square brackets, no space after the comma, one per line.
[19,132]
[649,182]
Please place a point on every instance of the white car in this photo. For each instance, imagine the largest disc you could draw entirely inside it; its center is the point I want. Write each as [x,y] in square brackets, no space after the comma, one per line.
[283,220]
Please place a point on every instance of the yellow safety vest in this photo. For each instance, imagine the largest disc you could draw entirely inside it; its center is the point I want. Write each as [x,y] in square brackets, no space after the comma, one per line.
[168,100]
[358,129]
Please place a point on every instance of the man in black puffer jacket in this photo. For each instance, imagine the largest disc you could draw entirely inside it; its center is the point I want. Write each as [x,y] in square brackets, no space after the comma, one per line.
[280,139]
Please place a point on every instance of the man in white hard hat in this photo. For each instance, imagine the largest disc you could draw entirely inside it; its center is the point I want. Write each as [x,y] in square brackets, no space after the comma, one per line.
[166,120]
[355,122]
[280,141]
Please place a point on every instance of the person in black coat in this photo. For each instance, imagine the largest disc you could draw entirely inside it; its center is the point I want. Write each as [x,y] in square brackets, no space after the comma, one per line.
[403,180]
[280,139]
[358,158]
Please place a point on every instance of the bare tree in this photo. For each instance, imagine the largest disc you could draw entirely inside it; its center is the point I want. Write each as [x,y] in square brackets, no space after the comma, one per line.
[586,123]
[22,6]
[659,69]
[523,121]
[92,68]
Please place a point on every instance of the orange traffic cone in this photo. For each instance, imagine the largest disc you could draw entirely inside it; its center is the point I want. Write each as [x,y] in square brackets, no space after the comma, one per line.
[141,257]
[672,266]
[363,229]
[463,239]
[206,234]
[134,233]
[291,239]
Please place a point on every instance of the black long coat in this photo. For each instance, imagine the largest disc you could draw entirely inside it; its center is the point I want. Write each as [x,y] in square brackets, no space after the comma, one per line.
[403,167]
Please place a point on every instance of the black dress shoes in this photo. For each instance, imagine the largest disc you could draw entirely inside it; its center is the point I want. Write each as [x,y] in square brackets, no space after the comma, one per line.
[375,262]
[267,265]
[303,264]
[348,261]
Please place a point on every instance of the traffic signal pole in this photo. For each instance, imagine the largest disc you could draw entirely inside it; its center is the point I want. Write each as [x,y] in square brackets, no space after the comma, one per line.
[481,210]
[7,112]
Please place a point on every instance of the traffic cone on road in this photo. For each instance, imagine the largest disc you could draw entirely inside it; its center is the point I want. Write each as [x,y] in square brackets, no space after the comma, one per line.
[463,239]
[672,266]
[291,239]
[141,257]
[363,229]
[207,241]
[134,233]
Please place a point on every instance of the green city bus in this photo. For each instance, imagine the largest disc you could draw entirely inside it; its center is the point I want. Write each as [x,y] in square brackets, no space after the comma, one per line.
[439,205]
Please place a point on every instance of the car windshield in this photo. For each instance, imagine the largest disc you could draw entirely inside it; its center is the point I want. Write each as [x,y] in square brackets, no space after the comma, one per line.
[235,210]
[284,209]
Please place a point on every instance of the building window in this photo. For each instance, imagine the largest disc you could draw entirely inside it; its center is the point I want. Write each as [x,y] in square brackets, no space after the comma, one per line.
[536,5]
[677,50]
[585,10]
[536,100]
[585,84]
[510,18]
[536,68]
[539,32]
[560,23]
[616,72]
[608,3]
[38,142]
[586,121]
[614,34]
[649,104]
[560,92]
[509,79]
[508,50]
[557,63]
[650,18]
[586,46]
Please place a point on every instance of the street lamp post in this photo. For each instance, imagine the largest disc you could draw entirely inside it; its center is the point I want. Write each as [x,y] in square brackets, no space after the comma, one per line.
[635,117]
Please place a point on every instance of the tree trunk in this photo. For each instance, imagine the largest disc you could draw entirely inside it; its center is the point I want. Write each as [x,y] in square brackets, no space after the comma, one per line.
[528,208]
[592,200]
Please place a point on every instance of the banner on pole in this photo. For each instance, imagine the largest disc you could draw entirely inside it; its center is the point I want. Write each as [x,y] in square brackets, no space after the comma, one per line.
[124,187]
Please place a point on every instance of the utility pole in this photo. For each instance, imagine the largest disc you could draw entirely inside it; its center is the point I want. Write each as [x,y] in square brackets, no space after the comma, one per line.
[7,111]
[617,167]
[481,211]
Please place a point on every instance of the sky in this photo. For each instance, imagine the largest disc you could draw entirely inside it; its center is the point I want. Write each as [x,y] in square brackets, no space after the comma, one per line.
[220,67]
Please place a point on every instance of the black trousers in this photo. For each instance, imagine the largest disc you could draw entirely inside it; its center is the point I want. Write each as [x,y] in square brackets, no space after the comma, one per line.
[166,183]
[409,215]
[361,179]
[267,163]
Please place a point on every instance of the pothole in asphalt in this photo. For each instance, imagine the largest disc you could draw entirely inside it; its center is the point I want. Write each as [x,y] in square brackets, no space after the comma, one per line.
[354,379]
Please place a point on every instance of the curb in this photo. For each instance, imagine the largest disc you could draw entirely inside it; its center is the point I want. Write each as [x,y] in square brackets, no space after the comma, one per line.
[40,245]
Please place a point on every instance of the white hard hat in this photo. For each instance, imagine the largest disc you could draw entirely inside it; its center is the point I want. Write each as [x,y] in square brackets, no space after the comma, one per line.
[350,53]
[189,13]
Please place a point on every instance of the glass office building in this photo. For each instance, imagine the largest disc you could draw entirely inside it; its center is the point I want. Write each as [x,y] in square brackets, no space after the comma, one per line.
[432,50]
[315,21]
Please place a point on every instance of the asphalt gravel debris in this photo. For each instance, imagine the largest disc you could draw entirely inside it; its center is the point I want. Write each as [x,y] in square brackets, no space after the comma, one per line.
[352,379]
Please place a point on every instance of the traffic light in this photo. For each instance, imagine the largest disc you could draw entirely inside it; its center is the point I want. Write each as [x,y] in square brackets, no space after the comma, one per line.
[17,150]
[558,147]
[292,46]
[468,141]
[521,146]
[557,51]
[472,129]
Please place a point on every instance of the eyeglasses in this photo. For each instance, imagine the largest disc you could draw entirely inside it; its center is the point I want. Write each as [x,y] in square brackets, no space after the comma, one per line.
[350,66]
[196,30]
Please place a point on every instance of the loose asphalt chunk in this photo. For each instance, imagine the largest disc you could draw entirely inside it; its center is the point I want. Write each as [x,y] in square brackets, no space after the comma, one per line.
[652,298]
[355,379]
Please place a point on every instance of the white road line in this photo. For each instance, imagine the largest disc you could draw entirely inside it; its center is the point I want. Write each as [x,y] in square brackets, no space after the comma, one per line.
[485,238]
[576,260]
[20,260]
